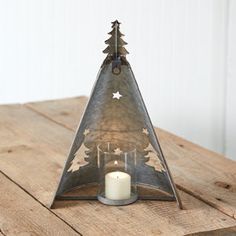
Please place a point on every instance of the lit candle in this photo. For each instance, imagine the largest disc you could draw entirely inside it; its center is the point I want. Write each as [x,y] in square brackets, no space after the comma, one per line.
[117,185]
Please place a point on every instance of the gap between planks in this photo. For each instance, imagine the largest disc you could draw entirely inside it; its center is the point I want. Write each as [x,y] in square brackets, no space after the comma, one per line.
[1,233]
[34,198]
[28,106]
[231,231]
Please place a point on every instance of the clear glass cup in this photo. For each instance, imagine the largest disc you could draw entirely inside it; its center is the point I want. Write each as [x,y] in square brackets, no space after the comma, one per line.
[117,173]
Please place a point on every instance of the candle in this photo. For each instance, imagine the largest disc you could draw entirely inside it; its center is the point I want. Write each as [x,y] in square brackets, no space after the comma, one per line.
[117,185]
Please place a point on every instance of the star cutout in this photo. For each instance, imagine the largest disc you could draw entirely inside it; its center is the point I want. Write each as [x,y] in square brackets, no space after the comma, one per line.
[117,95]
[145,131]
[86,131]
[117,151]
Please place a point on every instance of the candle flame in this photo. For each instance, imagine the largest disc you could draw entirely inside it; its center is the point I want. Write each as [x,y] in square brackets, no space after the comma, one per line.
[116,162]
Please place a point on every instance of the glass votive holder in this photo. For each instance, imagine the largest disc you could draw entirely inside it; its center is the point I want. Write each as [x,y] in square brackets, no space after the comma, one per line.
[117,170]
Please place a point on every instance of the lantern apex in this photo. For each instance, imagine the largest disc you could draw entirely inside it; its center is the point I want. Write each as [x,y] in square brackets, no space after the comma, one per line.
[115,43]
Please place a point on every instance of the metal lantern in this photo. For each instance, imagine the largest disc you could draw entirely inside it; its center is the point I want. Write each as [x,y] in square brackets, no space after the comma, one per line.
[115,156]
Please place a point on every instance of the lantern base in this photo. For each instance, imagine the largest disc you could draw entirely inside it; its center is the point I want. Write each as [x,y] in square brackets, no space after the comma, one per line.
[122,202]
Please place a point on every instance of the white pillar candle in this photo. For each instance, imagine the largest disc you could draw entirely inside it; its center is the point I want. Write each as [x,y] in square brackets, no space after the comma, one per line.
[117,185]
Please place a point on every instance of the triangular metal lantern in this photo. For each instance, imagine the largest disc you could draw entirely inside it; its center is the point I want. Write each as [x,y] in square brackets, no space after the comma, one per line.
[116,157]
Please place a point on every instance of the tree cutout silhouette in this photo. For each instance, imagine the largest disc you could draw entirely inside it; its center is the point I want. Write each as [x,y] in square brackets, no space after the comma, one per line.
[115,42]
[80,159]
[152,159]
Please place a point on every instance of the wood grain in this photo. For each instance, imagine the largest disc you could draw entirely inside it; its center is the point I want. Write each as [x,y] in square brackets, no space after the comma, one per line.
[202,173]
[20,214]
[66,112]
[32,153]
[221,232]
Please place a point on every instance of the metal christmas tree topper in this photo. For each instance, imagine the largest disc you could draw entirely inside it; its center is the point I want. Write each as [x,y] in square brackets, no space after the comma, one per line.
[115,156]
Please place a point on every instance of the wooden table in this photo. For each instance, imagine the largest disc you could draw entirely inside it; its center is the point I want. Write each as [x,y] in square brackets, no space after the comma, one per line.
[35,139]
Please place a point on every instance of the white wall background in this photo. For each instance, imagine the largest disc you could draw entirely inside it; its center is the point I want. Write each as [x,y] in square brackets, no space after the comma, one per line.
[182,52]
[230,93]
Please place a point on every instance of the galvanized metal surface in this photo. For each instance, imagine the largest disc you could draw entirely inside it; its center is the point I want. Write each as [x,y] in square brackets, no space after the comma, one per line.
[116,113]
[106,201]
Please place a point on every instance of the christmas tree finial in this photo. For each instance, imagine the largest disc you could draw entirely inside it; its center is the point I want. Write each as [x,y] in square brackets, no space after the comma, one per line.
[115,22]
[115,43]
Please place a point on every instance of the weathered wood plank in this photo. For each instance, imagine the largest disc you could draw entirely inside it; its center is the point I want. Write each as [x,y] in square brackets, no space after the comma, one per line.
[66,112]
[32,153]
[209,178]
[202,173]
[20,214]
[221,232]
